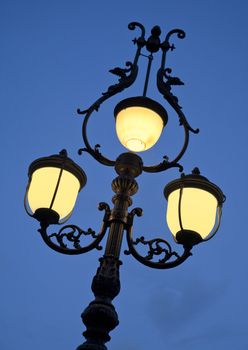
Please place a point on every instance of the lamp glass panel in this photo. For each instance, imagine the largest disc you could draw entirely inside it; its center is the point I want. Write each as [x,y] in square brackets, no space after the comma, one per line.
[138,128]
[198,211]
[42,189]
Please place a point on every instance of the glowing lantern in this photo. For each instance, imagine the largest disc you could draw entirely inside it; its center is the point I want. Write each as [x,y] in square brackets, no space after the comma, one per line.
[194,208]
[139,122]
[54,183]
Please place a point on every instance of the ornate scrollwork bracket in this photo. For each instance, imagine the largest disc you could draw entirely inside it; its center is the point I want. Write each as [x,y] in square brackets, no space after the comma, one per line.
[68,239]
[155,249]
[126,77]
[159,250]
[125,80]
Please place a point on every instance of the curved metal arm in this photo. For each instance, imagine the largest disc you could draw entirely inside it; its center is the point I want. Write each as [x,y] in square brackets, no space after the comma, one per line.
[125,81]
[180,34]
[157,247]
[133,25]
[164,165]
[72,234]
[164,88]
[140,42]
[166,46]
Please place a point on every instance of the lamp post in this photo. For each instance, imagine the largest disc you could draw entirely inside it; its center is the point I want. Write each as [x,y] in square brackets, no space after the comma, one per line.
[194,203]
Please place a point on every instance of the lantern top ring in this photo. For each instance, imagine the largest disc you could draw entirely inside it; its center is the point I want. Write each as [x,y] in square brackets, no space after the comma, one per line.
[195,181]
[145,102]
[61,161]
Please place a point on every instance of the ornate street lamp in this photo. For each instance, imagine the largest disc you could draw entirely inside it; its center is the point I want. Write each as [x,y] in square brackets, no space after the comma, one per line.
[194,203]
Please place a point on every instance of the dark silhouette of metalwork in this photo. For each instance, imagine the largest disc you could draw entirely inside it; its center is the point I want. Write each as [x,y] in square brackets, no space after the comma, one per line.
[100,317]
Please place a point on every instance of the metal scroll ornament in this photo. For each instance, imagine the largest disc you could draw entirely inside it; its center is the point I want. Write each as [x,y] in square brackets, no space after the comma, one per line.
[100,316]
[157,247]
[159,251]
[127,76]
[68,240]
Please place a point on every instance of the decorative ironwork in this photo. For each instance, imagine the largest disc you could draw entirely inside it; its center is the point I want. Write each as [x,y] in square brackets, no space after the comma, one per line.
[125,81]
[135,211]
[72,234]
[141,40]
[157,247]
[164,165]
[100,316]
[171,81]
[164,88]
[127,77]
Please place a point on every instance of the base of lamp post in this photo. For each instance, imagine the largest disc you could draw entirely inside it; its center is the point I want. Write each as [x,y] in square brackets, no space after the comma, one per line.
[100,316]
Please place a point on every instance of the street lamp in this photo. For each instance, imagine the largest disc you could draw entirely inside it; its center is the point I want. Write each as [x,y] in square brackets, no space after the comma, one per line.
[194,203]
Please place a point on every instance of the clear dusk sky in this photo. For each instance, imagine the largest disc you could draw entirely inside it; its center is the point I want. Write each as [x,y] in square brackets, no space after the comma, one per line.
[55,57]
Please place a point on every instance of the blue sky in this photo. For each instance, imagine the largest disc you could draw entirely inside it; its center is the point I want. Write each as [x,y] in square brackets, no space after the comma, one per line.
[55,57]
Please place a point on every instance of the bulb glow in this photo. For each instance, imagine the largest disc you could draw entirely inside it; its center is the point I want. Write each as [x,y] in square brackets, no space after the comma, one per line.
[42,189]
[138,128]
[198,211]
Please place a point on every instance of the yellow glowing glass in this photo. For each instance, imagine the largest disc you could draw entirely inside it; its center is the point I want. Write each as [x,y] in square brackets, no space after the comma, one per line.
[138,128]
[198,211]
[42,188]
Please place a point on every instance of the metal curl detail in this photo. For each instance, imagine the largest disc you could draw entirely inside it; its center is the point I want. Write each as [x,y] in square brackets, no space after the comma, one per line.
[165,89]
[56,241]
[133,25]
[125,80]
[155,249]
[136,211]
[180,34]
[164,165]
[73,236]
[104,206]
[183,121]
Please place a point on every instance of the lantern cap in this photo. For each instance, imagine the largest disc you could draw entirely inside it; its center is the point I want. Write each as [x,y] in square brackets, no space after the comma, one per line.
[195,180]
[142,101]
[61,161]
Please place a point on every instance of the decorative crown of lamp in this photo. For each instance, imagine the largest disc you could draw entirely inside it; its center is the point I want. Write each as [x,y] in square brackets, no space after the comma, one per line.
[194,203]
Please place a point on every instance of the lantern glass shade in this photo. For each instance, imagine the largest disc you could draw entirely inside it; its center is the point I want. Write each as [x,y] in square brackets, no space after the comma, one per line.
[198,211]
[139,123]
[194,208]
[54,183]
[46,190]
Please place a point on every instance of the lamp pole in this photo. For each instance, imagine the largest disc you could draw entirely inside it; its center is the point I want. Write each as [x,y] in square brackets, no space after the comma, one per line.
[190,198]
[100,316]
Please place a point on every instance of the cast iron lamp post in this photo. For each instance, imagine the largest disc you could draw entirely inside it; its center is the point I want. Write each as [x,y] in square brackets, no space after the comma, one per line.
[194,203]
